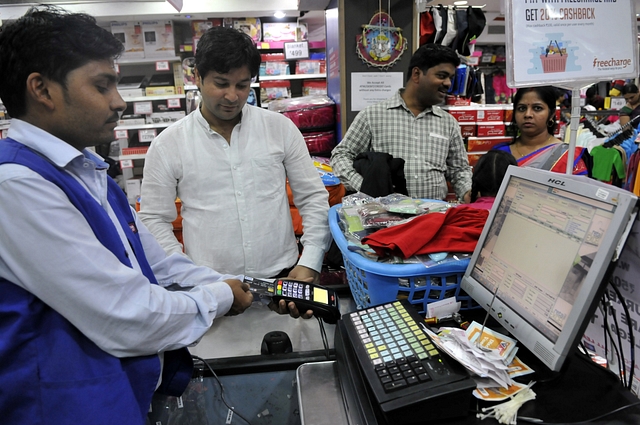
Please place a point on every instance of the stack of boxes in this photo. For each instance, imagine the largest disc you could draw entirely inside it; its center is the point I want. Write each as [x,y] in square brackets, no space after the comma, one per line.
[150,39]
[483,127]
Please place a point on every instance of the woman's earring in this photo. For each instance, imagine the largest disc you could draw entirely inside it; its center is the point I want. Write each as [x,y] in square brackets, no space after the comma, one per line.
[551,123]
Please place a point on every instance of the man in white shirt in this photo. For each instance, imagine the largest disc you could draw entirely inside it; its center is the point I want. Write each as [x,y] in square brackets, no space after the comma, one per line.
[228,162]
[88,329]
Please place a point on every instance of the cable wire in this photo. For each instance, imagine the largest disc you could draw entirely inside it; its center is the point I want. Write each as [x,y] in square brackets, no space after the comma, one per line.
[224,400]
[325,340]
[608,335]
[632,342]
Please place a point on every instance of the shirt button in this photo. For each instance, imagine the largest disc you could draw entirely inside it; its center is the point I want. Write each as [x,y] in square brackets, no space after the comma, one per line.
[415,177]
[240,193]
[415,156]
[235,168]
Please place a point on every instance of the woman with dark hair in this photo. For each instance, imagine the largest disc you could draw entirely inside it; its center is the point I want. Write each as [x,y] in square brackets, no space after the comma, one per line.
[632,108]
[534,144]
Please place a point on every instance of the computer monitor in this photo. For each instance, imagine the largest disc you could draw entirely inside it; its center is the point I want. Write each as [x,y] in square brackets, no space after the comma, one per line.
[545,249]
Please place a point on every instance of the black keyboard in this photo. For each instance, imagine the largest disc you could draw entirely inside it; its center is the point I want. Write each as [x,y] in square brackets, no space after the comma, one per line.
[399,361]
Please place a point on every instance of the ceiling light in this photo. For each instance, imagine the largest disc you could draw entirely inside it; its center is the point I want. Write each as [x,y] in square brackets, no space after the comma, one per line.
[279,14]
[460,3]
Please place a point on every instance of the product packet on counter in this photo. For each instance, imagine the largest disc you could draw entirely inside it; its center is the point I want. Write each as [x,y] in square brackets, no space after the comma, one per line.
[498,394]
[499,346]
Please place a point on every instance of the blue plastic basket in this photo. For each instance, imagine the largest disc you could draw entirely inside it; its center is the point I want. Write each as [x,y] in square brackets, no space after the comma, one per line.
[373,283]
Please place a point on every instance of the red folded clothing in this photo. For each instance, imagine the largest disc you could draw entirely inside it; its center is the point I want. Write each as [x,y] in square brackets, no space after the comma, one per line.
[457,230]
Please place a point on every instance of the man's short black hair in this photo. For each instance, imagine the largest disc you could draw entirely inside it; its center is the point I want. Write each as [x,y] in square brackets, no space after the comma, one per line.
[50,41]
[222,49]
[429,55]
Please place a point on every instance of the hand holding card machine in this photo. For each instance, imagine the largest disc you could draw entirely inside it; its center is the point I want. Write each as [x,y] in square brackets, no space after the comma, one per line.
[307,296]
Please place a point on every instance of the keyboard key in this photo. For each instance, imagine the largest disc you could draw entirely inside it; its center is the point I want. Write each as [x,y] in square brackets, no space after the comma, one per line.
[395,385]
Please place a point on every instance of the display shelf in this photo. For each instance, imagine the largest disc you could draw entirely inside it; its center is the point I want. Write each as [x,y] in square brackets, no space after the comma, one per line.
[130,157]
[142,61]
[291,77]
[147,98]
[144,126]
[274,45]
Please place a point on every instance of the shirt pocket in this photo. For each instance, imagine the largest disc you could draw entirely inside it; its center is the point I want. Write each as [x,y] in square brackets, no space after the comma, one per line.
[269,176]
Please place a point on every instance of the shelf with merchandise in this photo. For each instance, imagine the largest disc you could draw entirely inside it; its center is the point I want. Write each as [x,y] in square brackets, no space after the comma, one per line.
[154,97]
[291,77]
[143,126]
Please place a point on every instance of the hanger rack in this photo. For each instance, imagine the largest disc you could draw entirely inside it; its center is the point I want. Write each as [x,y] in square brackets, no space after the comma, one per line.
[623,134]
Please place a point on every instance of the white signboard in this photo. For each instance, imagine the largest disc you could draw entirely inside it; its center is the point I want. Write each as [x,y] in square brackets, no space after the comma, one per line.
[296,50]
[369,88]
[566,42]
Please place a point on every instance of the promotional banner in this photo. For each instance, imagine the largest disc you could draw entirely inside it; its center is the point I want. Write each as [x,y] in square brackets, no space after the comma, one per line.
[565,42]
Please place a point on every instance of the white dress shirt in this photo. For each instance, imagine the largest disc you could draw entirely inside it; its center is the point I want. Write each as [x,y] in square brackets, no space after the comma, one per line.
[48,248]
[235,209]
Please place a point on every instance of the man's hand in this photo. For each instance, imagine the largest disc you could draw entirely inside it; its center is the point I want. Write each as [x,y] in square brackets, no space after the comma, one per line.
[304,274]
[289,308]
[242,297]
[466,198]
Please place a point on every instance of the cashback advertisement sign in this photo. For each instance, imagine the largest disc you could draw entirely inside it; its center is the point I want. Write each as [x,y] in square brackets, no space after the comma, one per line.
[566,42]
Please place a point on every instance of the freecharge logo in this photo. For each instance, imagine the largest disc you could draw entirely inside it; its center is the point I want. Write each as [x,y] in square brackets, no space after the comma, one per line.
[611,63]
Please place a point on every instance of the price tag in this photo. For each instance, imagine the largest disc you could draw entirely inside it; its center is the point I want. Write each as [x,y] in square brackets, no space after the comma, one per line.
[122,134]
[147,135]
[126,163]
[142,108]
[173,103]
[296,50]
[618,103]
[162,66]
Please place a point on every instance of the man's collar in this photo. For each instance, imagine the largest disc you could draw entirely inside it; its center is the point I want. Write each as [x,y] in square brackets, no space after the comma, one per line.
[398,101]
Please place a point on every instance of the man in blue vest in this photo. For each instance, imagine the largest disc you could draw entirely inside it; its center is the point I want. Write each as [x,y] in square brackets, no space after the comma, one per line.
[88,330]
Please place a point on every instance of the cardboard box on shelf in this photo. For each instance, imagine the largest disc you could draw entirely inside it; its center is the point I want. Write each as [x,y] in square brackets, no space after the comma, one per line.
[463,113]
[160,91]
[488,113]
[483,144]
[249,26]
[468,129]
[158,39]
[280,31]
[164,117]
[178,77]
[130,35]
[491,129]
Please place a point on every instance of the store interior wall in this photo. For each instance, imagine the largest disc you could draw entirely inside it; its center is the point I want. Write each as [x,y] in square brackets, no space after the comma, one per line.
[360,13]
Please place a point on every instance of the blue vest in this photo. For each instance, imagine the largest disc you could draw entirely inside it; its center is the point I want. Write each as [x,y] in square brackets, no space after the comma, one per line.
[49,371]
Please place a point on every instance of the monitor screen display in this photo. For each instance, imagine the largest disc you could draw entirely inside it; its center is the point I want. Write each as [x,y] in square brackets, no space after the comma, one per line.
[545,249]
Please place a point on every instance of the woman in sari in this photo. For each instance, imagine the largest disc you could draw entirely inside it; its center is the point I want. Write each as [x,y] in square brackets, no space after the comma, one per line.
[534,145]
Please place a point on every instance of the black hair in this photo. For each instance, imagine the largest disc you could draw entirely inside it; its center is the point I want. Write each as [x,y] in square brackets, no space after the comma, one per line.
[430,55]
[548,95]
[591,91]
[629,89]
[50,41]
[222,49]
[489,172]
